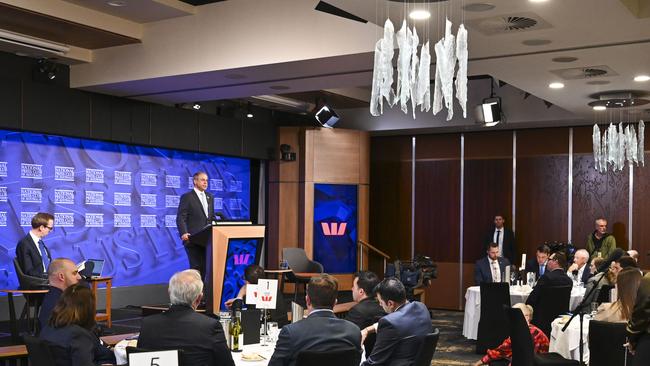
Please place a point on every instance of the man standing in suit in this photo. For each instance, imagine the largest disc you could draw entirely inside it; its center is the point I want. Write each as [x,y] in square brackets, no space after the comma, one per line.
[554,276]
[537,265]
[492,267]
[321,331]
[200,337]
[195,211]
[367,311]
[504,237]
[579,270]
[33,256]
[600,243]
[404,319]
[62,273]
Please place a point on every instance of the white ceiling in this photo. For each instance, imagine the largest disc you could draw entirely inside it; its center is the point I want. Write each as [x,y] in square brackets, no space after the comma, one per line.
[241,48]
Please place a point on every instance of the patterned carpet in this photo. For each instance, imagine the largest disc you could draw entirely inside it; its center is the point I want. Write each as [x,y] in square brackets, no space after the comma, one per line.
[453,349]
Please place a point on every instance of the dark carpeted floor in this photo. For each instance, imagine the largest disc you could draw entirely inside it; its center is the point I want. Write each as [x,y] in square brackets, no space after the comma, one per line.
[453,349]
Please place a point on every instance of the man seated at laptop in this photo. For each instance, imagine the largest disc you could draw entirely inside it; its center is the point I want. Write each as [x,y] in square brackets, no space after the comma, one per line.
[61,273]
[367,311]
[321,331]
[200,337]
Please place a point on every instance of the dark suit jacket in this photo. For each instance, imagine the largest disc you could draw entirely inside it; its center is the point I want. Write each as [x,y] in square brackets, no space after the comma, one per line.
[483,270]
[557,277]
[76,346]
[30,261]
[364,314]
[509,249]
[321,331]
[410,319]
[49,301]
[200,337]
[533,266]
[191,218]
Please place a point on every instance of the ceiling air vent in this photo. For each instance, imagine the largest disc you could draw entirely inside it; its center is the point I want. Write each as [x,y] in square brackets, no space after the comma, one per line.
[578,73]
[508,23]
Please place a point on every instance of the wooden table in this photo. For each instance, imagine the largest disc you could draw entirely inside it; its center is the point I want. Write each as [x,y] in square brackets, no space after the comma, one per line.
[94,282]
[15,336]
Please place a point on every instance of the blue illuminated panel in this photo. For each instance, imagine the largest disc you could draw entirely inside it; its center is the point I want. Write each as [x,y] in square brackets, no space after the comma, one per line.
[241,254]
[335,227]
[111,201]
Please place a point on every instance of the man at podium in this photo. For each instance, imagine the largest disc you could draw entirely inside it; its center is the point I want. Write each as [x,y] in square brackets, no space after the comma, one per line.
[195,211]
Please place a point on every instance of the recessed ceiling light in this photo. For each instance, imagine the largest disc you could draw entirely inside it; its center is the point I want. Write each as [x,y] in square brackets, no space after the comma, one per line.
[478,7]
[564,59]
[556,85]
[249,115]
[641,78]
[538,1]
[536,42]
[599,108]
[116,3]
[419,14]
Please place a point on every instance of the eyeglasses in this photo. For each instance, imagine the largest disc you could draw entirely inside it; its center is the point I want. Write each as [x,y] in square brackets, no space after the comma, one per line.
[51,228]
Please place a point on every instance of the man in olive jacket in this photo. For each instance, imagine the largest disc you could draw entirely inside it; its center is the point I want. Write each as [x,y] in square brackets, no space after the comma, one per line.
[600,241]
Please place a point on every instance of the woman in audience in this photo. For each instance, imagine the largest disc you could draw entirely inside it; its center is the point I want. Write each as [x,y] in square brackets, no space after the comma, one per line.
[69,330]
[503,353]
[609,280]
[627,284]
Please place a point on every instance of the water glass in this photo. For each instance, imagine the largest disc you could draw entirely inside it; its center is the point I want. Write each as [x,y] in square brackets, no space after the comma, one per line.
[272,332]
[284,264]
[594,308]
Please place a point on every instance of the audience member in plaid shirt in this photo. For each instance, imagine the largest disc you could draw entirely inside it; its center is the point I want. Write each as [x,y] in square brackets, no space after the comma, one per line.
[504,351]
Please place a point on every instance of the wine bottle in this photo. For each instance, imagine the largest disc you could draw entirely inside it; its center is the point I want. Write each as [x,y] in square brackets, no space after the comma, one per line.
[236,334]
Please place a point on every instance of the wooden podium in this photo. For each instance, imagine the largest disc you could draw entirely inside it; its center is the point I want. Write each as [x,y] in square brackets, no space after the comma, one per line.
[217,256]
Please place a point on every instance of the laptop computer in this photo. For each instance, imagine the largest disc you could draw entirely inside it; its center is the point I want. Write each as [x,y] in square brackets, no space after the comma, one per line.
[97,267]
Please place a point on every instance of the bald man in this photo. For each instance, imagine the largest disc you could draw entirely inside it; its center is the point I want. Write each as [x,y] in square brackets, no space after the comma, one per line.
[61,273]
[579,270]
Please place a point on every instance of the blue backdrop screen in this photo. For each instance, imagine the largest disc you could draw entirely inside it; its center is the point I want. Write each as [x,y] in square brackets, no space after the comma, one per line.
[241,254]
[110,201]
[335,227]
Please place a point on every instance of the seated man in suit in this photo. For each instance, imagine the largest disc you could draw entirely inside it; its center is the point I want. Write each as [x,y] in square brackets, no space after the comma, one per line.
[537,265]
[33,256]
[321,331]
[404,319]
[504,237]
[367,311]
[491,268]
[554,276]
[579,270]
[62,273]
[200,337]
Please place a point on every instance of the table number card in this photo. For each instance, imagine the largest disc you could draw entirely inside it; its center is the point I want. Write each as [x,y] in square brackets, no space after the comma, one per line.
[267,291]
[251,294]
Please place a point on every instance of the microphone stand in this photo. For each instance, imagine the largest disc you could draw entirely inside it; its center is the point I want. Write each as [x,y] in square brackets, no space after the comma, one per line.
[579,311]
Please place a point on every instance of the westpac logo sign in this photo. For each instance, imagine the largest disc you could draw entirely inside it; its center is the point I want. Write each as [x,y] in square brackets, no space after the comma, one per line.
[334,228]
[241,259]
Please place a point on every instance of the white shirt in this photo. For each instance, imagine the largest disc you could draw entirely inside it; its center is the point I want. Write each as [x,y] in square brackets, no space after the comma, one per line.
[204,200]
[500,241]
[36,239]
[581,270]
[495,269]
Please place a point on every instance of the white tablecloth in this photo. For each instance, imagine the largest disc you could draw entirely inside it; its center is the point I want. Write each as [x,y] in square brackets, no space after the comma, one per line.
[567,343]
[264,351]
[517,294]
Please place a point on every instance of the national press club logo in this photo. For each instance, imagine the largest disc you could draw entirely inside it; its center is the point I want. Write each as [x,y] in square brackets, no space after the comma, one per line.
[94,219]
[64,196]
[148,180]
[3,168]
[121,220]
[3,194]
[94,198]
[64,173]
[64,219]
[31,195]
[218,203]
[26,218]
[172,200]
[31,171]
[172,181]
[147,200]
[94,175]
[170,220]
[216,185]
[122,199]
[147,220]
[123,178]
[3,218]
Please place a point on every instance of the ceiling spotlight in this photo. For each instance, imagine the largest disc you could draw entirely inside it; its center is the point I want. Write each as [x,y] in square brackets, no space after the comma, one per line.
[419,15]
[249,115]
[196,106]
[641,78]
[599,108]
[46,68]
[556,85]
